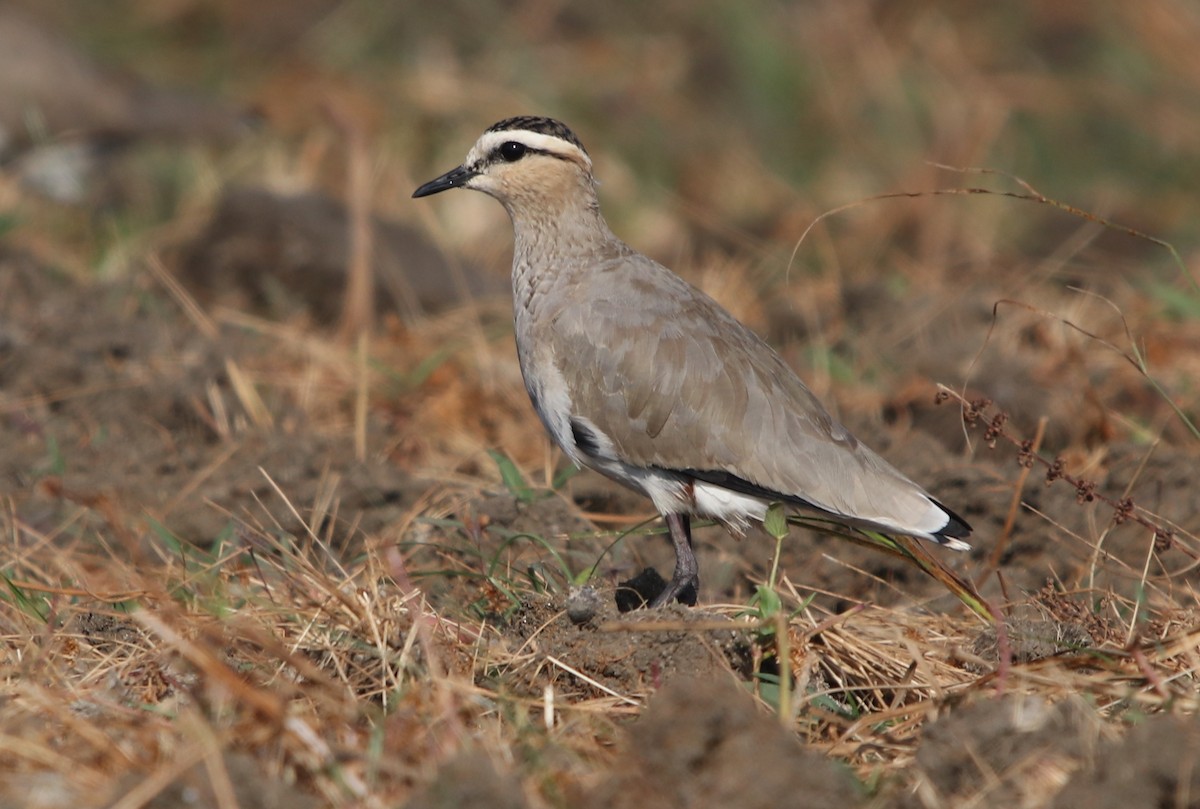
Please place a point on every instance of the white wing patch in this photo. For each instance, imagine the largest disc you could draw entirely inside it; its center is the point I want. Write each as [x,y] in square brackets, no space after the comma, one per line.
[933,520]
[731,508]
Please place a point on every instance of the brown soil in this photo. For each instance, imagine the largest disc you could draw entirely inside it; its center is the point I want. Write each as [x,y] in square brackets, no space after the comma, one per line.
[112,432]
[702,743]
[630,652]
[1154,764]
[246,560]
[1002,752]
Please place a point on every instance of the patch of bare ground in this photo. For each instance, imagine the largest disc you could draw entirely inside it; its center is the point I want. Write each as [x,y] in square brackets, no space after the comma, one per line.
[1010,751]
[1155,763]
[705,743]
[208,584]
[247,560]
[618,653]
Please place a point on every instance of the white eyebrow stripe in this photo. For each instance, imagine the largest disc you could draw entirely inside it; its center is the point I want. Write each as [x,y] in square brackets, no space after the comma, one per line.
[534,140]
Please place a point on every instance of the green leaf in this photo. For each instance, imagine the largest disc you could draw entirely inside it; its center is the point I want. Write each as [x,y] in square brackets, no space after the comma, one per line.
[1179,304]
[768,689]
[8,223]
[564,475]
[512,478]
[767,602]
[167,538]
[775,523]
[56,464]
[34,606]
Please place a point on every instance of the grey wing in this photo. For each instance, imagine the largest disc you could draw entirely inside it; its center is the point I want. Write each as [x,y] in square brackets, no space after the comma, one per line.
[674,382]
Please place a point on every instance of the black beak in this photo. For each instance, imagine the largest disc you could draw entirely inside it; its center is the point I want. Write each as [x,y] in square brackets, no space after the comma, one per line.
[454,178]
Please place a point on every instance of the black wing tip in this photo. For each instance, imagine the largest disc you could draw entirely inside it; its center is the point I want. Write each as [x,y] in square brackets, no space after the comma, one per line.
[955,528]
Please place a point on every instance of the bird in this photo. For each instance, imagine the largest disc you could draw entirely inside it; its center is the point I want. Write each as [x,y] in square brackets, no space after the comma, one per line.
[644,378]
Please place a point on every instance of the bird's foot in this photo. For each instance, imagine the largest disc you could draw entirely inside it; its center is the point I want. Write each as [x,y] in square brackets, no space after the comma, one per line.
[685,582]
[650,590]
[682,589]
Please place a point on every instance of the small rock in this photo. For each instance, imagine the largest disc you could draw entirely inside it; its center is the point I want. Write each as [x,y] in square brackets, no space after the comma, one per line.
[583,604]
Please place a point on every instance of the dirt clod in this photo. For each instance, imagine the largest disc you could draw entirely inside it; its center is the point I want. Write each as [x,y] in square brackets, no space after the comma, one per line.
[1032,640]
[1006,752]
[210,784]
[640,590]
[703,743]
[1157,763]
[628,653]
[470,779]
[282,254]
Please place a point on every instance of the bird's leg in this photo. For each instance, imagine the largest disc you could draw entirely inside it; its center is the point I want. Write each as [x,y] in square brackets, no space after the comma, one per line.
[685,584]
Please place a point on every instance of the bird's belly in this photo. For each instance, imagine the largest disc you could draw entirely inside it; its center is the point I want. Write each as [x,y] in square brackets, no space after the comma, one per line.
[675,494]
[671,493]
[550,399]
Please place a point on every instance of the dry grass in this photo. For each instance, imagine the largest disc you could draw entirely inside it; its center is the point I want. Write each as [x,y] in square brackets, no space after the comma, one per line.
[341,676]
[352,663]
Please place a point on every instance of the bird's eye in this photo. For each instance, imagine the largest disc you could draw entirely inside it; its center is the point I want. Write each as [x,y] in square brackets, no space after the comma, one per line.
[512,151]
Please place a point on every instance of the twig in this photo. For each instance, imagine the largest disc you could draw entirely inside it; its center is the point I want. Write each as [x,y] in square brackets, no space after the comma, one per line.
[1014,506]
[975,416]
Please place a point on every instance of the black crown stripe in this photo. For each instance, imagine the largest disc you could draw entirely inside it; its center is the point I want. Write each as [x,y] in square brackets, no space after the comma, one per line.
[541,125]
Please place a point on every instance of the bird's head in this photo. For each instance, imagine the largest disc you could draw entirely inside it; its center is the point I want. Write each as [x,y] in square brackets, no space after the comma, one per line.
[523,162]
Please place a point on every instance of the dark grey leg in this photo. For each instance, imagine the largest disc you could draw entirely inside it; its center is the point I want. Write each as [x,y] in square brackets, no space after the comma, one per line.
[685,584]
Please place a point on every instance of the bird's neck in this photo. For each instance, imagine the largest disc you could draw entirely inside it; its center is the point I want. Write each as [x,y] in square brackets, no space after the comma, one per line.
[555,253]
[575,233]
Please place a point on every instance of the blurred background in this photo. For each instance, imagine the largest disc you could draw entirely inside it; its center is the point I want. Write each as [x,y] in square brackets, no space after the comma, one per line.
[720,132]
[736,109]
[225,326]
